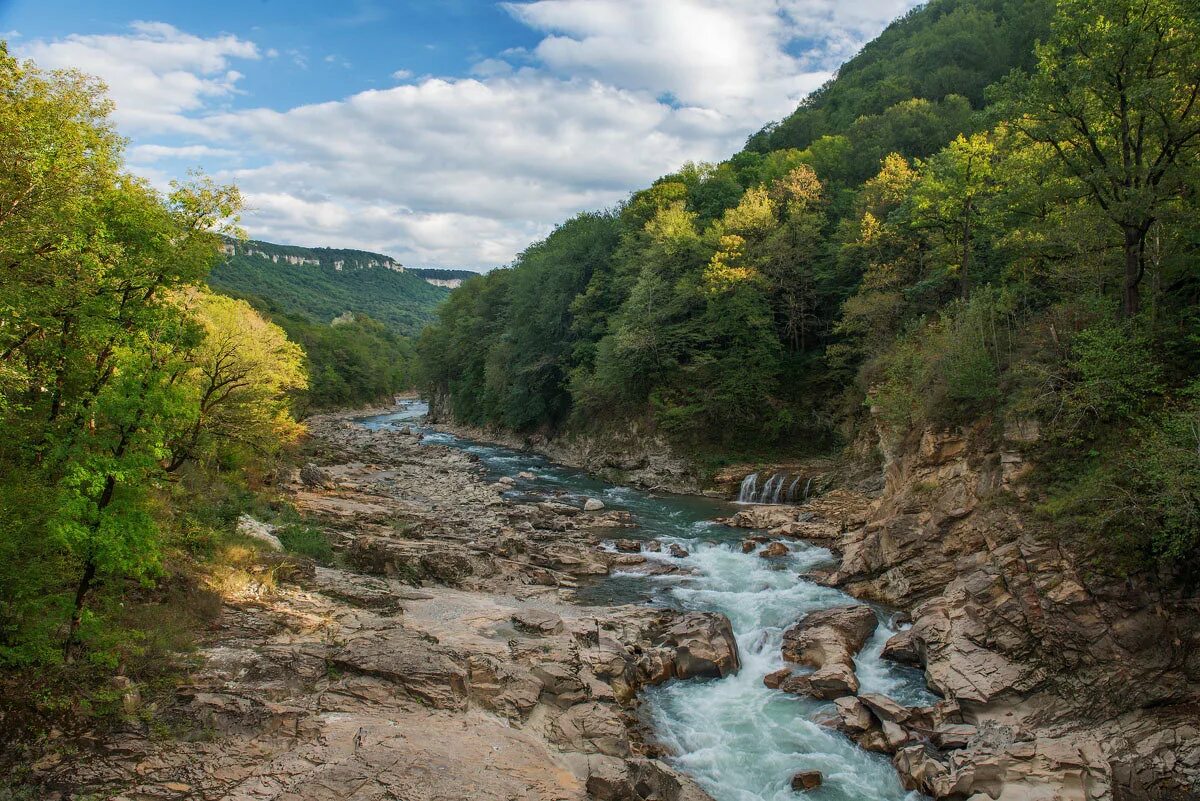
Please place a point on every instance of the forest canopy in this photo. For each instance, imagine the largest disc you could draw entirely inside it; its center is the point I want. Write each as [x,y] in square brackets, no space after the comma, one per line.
[120,372]
[963,226]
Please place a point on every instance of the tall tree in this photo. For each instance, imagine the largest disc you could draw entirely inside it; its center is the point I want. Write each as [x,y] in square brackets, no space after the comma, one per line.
[1116,95]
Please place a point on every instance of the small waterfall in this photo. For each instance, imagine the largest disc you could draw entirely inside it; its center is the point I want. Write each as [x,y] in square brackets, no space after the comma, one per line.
[778,488]
[749,488]
[770,489]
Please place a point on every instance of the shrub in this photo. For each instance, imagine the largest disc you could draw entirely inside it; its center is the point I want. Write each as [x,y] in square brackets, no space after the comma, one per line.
[307,541]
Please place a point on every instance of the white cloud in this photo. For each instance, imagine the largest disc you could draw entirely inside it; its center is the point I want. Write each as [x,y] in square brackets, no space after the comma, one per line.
[156,75]
[146,154]
[466,171]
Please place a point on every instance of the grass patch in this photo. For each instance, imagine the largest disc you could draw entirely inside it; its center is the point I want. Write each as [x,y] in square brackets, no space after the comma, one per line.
[307,541]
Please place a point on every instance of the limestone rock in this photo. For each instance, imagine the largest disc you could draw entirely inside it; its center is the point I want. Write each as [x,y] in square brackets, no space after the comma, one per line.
[774,550]
[806,780]
[591,728]
[903,647]
[537,622]
[247,526]
[417,667]
[703,645]
[593,505]
[828,640]
[854,717]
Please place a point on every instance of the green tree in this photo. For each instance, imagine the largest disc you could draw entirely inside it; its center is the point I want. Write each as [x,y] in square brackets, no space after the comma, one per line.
[92,339]
[951,198]
[1116,96]
[242,377]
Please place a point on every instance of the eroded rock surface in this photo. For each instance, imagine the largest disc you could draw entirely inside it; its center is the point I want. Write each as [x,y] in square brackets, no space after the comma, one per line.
[1060,683]
[447,663]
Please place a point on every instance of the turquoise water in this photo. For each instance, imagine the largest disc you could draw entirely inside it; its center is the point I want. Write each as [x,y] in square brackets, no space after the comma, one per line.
[740,740]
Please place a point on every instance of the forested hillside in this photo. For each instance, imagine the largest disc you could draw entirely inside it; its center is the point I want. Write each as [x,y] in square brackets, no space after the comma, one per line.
[353,312]
[962,228]
[325,283]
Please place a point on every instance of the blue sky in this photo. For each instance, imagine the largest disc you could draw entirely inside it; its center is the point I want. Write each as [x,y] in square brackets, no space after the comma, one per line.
[450,133]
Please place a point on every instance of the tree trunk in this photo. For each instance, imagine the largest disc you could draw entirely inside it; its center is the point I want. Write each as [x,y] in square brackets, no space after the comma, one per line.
[81,591]
[1130,296]
[964,277]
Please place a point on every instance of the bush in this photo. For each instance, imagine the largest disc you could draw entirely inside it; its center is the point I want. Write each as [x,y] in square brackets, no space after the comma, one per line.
[946,370]
[307,541]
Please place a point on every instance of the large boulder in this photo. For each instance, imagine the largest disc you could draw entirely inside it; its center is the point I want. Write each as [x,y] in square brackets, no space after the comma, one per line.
[903,647]
[591,728]
[247,526]
[537,622]
[417,667]
[827,640]
[703,645]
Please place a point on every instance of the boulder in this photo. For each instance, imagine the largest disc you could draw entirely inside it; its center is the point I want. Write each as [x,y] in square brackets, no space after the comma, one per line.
[628,546]
[954,735]
[765,517]
[774,550]
[806,780]
[703,645]
[677,550]
[853,715]
[903,647]
[653,780]
[315,477]
[593,505]
[748,546]
[774,679]
[247,526]
[895,734]
[885,708]
[525,475]
[828,640]
[537,622]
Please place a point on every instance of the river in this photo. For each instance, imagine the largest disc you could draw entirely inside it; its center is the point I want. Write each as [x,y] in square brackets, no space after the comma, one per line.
[740,740]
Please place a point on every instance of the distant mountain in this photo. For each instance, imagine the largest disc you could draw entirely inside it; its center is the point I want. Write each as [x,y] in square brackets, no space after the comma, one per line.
[322,284]
[452,279]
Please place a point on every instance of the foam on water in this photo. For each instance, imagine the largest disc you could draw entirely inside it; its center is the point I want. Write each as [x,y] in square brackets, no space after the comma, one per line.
[739,739]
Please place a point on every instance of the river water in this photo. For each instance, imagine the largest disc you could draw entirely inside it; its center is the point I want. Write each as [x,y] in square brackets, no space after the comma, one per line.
[740,740]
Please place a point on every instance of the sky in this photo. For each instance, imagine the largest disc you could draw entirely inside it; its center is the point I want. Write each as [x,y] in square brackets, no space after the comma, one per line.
[445,134]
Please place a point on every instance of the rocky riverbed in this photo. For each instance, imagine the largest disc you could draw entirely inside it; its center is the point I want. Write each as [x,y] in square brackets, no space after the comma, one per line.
[478,638]
[442,660]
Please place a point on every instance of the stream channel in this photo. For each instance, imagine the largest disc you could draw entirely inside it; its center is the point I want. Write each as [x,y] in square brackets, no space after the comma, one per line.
[740,740]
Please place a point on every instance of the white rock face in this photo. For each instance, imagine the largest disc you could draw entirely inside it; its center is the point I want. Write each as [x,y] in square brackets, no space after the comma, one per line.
[247,526]
[593,505]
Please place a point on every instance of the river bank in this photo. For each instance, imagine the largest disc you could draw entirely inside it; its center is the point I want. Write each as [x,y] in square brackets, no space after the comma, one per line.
[498,626]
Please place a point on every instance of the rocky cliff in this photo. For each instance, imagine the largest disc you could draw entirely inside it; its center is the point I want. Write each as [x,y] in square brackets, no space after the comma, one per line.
[631,455]
[1071,684]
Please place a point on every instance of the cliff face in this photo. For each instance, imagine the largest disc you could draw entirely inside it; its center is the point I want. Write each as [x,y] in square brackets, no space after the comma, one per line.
[1083,687]
[629,455]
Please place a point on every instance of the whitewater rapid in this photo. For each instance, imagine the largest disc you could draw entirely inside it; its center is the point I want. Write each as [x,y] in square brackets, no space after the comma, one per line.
[740,740]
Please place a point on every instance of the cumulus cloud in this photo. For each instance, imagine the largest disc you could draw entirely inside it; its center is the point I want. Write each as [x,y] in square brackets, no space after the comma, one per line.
[466,171]
[156,74]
